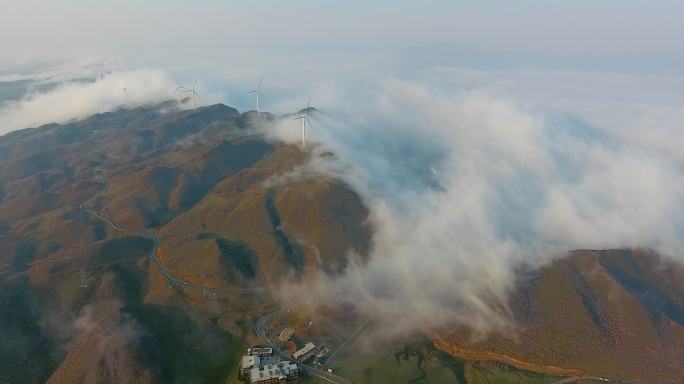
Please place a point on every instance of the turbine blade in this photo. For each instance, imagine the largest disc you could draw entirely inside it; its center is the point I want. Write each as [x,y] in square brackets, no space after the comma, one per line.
[261,79]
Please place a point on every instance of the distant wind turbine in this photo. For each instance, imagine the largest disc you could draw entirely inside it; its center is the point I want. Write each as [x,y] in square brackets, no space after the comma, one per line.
[179,90]
[124,91]
[193,92]
[258,94]
[305,119]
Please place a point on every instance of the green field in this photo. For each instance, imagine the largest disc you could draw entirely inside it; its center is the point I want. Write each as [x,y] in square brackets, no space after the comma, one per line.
[420,363]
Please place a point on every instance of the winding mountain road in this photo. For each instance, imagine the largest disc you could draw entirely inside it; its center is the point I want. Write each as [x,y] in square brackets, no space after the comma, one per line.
[262,321]
[154,254]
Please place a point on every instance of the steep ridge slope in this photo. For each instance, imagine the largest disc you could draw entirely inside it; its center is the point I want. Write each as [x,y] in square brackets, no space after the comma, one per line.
[275,232]
[94,308]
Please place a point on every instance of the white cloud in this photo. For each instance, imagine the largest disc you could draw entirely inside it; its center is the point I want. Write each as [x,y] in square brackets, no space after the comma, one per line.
[79,99]
[468,174]
[466,187]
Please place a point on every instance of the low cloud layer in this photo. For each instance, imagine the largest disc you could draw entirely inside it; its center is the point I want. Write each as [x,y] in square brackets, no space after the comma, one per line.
[80,97]
[468,175]
[466,187]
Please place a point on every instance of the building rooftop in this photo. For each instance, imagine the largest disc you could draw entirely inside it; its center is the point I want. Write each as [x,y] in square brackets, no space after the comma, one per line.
[259,351]
[306,349]
[280,370]
[249,361]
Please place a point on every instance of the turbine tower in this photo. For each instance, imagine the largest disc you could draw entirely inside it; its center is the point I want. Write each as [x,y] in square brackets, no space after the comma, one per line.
[194,93]
[258,94]
[179,90]
[305,119]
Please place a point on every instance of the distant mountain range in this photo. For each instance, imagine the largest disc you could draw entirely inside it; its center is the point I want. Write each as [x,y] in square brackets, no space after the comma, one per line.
[82,300]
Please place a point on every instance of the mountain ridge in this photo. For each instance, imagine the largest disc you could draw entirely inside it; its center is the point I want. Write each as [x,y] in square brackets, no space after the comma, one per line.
[202,181]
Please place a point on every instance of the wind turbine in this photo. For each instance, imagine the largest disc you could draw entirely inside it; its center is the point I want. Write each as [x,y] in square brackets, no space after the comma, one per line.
[305,119]
[258,94]
[179,90]
[124,91]
[194,93]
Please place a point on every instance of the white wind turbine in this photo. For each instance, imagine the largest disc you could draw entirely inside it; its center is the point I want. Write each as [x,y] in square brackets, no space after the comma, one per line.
[194,93]
[258,95]
[124,91]
[305,119]
[179,90]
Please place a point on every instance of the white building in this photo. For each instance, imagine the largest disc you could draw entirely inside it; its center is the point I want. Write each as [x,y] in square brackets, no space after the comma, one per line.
[273,373]
[304,351]
[248,362]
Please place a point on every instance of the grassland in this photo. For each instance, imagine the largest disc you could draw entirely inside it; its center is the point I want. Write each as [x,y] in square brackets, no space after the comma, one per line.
[418,362]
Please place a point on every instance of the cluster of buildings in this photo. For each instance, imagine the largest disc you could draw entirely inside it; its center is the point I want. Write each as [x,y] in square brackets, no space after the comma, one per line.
[262,366]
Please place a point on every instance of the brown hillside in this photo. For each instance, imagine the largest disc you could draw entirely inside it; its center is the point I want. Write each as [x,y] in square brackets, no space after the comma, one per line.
[616,313]
[267,232]
[84,301]
[110,348]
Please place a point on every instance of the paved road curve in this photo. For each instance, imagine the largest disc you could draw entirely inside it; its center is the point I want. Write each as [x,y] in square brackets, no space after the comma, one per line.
[154,256]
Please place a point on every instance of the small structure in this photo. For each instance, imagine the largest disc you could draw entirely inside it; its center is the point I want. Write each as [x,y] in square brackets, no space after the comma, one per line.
[261,351]
[83,276]
[322,351]
[305,352]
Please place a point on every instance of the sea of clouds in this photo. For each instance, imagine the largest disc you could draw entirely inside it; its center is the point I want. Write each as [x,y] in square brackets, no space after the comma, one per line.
[469,175]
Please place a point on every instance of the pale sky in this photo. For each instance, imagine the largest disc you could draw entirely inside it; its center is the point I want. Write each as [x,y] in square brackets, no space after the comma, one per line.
[625,35]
